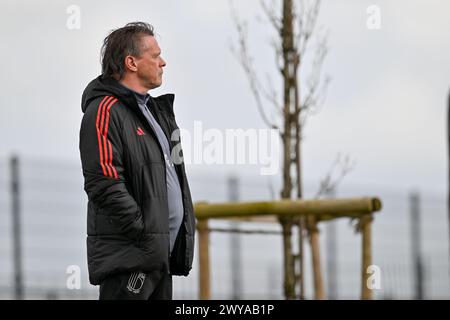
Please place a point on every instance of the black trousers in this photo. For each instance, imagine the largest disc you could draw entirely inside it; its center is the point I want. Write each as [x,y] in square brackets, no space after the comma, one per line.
[137,286]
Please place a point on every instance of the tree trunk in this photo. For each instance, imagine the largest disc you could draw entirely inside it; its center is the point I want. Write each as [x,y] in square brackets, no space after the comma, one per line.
[298,172]
[288,74]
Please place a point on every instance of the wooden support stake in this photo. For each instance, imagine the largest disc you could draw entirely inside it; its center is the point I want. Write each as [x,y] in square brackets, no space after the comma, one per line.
[366,230]
[319,291]
[301,257]
[203,254]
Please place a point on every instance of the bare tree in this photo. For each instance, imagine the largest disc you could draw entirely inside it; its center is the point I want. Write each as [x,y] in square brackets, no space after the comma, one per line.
[302,96]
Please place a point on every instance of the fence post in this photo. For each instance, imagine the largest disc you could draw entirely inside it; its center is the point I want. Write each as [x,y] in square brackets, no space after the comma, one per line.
[235,244]
[17,245]
[203,253]
[416,242]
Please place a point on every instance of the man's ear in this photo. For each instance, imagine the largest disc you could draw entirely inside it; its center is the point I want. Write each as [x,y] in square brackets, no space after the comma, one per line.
[130,63]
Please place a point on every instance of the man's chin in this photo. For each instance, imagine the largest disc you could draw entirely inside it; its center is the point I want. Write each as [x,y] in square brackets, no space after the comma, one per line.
[154,86]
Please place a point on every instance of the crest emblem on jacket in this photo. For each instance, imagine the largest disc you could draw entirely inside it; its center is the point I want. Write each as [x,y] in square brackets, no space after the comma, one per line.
[136,281]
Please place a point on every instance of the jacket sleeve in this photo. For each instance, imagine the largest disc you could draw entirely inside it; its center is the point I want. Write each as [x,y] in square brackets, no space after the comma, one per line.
[101,153]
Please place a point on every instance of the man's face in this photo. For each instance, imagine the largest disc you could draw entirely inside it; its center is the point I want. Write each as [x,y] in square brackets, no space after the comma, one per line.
[150,64]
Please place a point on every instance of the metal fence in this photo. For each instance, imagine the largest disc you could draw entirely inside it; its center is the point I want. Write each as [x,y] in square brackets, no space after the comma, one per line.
[53,228]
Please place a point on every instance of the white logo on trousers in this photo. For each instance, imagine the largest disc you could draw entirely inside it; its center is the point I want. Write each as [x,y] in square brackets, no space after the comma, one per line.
[135,282]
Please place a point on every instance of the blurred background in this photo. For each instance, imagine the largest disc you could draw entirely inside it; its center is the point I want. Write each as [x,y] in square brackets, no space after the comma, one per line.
[385,107]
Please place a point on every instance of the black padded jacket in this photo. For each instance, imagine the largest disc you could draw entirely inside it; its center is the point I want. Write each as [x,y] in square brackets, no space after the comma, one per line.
[125,181]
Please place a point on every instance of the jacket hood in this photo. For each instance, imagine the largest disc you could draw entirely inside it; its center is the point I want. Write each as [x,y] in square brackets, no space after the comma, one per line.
[100,87]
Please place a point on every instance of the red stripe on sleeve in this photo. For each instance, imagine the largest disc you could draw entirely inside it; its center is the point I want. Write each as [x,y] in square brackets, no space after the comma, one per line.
[98,124]
[102,132]
[108,160]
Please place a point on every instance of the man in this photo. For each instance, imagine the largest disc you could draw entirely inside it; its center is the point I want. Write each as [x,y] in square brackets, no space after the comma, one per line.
[140,221]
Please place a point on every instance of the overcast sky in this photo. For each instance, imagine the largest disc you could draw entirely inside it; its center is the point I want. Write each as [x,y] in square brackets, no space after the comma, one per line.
[385,106]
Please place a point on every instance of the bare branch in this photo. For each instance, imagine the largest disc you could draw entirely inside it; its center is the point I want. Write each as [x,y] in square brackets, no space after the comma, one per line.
[314,78]
[327,184]
[270,13]
[272,96]
[318,102]
[247,63]
[278,54]
[271,187]
[307,20]
[315,96]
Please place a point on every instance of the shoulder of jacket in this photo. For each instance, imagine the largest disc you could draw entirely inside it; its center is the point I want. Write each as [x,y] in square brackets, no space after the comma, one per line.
[107,109]
[108,104]
[165,102]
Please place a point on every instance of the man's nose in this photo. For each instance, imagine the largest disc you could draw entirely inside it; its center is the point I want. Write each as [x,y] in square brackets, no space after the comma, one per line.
[163,62]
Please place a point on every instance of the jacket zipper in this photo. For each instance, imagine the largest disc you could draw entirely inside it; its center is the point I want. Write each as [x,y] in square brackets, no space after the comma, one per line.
[144,119]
